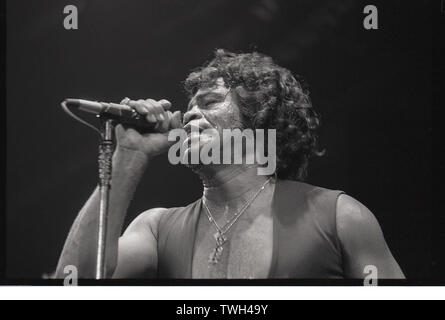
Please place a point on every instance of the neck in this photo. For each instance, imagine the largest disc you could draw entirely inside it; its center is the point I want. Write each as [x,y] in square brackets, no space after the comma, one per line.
[224,184]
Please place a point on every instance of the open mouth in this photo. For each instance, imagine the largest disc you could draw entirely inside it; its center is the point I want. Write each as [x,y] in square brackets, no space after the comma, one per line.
[197,127]
[193,129]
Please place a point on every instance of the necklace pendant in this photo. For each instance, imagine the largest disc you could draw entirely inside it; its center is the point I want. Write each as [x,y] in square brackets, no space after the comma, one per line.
[215,255]
[220,239]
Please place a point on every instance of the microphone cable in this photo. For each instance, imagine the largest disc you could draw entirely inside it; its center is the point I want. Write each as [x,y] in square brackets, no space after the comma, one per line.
[72,115]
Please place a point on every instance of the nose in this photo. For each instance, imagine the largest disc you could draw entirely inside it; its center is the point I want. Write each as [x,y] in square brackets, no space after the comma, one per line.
[193,114]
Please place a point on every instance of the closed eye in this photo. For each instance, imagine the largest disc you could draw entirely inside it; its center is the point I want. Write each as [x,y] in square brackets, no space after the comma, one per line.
[207,100]
[210,103]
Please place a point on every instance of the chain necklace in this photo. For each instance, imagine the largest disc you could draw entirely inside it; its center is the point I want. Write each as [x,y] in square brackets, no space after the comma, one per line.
[220,235]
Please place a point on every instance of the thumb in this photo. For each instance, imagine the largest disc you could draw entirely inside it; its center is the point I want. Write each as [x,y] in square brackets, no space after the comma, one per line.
[119,130]
[176,121]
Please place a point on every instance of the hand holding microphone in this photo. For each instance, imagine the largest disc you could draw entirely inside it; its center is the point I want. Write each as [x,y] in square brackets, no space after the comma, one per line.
[143,124]
[162,120]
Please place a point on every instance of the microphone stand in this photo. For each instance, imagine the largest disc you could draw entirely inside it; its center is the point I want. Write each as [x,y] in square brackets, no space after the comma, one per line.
[106,148]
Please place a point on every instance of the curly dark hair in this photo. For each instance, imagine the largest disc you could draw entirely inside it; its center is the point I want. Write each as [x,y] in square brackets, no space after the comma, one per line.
[269,97]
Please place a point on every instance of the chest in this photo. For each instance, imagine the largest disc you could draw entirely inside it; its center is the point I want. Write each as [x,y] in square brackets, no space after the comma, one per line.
[247,253]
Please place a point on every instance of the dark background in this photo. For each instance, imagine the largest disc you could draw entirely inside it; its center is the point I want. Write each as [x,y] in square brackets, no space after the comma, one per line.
[372,88]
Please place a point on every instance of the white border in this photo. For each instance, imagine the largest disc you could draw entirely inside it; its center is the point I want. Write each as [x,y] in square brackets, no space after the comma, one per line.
[221,293]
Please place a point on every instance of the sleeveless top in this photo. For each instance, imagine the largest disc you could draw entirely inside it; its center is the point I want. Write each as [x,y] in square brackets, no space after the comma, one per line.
[305,242]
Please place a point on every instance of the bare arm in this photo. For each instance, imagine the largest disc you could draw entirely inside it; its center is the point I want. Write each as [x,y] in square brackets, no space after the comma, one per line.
[81,244]
[362,241]
[138,256]
[129,162]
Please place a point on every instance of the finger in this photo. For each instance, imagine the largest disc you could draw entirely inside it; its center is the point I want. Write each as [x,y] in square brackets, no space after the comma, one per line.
[125,100]
[157,107]
[151,115]
[164,125]
[165,104]
[169,116]
[139,106]
[176,120]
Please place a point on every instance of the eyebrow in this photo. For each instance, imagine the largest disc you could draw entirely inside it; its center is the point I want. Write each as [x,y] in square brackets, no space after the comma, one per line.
[205,95]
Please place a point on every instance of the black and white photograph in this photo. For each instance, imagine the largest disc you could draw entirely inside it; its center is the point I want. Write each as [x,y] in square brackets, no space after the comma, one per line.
[222,142]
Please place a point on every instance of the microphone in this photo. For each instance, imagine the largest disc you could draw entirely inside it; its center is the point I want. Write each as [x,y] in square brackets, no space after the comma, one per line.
[120,112]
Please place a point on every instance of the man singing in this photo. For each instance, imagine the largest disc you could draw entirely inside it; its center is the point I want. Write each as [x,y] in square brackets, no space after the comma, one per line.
[245,225]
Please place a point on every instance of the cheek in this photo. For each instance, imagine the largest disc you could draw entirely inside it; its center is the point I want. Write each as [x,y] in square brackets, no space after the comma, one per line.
[226,117]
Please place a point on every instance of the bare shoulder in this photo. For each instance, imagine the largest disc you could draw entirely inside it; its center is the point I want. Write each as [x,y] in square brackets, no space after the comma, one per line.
[357,227]
[147,220]
[137,255]
[352,214]
[362,241]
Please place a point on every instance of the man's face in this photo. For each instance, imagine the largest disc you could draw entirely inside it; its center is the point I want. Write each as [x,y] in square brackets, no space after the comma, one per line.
[211,108]
[215,107]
